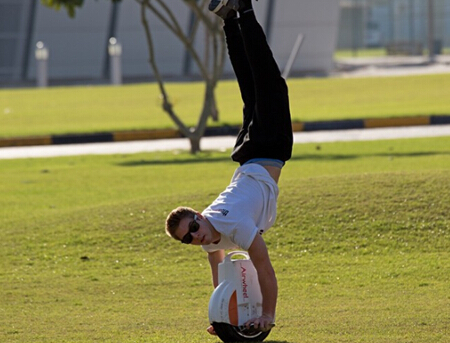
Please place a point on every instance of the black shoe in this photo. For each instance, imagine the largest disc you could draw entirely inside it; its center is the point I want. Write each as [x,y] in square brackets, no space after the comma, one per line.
[228,8]
[224,8]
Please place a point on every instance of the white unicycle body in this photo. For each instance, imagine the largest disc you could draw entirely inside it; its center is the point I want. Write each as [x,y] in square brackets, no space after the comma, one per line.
[236,300]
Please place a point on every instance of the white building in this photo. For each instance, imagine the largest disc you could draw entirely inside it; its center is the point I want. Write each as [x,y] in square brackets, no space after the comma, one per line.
[377,23]
[78,46]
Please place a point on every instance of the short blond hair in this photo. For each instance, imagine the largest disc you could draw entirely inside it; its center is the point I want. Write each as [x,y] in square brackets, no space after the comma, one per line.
[174,218]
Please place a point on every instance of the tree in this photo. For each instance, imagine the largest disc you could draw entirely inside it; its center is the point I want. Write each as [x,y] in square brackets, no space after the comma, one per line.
[210,66]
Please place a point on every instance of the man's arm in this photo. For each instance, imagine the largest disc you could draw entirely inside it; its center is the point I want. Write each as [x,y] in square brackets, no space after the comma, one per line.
[267,282]
[214,259]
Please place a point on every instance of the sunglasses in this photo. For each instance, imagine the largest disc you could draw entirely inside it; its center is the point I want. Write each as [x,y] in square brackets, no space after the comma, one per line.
[193,227]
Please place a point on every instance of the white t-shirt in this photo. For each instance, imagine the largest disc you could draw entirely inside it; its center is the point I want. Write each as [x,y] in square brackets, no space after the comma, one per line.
[246,207]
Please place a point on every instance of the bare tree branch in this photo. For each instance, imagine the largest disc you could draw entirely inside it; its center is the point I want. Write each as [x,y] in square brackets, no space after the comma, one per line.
[176,29]
[167,105]
[210,68]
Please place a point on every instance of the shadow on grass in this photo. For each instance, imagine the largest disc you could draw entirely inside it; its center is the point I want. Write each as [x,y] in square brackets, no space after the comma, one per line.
[187,160]
[270,341]
[306,157]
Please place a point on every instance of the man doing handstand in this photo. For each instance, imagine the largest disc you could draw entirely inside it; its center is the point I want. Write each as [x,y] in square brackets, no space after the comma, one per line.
[247,207]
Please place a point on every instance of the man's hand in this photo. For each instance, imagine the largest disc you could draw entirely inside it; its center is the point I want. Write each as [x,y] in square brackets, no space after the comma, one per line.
[211,330]
[263,323]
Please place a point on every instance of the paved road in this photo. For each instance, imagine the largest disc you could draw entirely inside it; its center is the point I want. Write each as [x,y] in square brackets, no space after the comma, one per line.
[218,143]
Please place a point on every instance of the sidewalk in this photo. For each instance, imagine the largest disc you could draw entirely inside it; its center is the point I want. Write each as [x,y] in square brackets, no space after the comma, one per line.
[218,143]
[385,66]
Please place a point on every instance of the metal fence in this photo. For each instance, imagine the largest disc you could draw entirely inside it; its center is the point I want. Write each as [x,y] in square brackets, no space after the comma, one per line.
[395,27]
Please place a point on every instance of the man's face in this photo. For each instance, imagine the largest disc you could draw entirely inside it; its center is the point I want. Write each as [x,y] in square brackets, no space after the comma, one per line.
[202,236]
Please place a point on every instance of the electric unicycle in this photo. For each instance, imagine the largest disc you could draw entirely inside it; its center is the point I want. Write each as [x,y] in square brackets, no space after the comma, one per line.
[236,300]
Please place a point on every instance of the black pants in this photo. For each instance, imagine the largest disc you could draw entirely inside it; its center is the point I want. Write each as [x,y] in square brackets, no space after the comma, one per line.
[267,130]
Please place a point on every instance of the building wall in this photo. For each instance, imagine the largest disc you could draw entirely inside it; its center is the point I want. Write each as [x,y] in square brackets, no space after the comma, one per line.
[169,52]
[78,46]
[14,20]
[317,21]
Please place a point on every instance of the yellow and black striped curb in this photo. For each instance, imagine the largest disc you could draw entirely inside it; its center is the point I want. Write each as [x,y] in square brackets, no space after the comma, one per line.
[102,137]
[121,136]
[373,123]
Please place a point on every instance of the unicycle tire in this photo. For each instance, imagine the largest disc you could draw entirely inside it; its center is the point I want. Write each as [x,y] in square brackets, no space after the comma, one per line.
[229,333]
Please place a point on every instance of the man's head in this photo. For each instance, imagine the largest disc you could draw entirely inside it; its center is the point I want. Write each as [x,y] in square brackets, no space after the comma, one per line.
[190,227]
[174,218]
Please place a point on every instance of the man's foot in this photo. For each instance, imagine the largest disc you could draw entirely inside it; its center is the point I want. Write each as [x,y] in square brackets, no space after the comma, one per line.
[227,8]
[224,8]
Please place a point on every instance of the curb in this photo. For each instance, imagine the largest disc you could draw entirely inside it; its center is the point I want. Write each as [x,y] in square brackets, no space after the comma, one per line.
[121,136]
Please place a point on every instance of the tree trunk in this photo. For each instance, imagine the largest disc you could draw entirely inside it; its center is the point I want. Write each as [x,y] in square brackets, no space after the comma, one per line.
[195,144]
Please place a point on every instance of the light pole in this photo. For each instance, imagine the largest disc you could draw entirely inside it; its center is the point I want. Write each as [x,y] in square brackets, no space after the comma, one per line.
[431,56]
[115,54]
[41,53]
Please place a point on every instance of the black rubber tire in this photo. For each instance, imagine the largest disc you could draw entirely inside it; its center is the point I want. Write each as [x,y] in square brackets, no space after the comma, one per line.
[230,333]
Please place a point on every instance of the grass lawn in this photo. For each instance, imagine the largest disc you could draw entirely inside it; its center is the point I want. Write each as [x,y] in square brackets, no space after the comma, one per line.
[60,110]
[361,245]
[373,52]
[368,52]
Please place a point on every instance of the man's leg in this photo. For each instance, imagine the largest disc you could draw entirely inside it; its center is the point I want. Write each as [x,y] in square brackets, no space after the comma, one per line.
[269,134]
[242,69]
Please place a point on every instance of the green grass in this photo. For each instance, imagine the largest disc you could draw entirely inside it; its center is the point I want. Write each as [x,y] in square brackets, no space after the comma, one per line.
[368,52]
[60,110]
[361,245]
[373,52]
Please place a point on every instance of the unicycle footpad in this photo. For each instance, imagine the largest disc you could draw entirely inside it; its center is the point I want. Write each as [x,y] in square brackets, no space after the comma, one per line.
[230,333]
